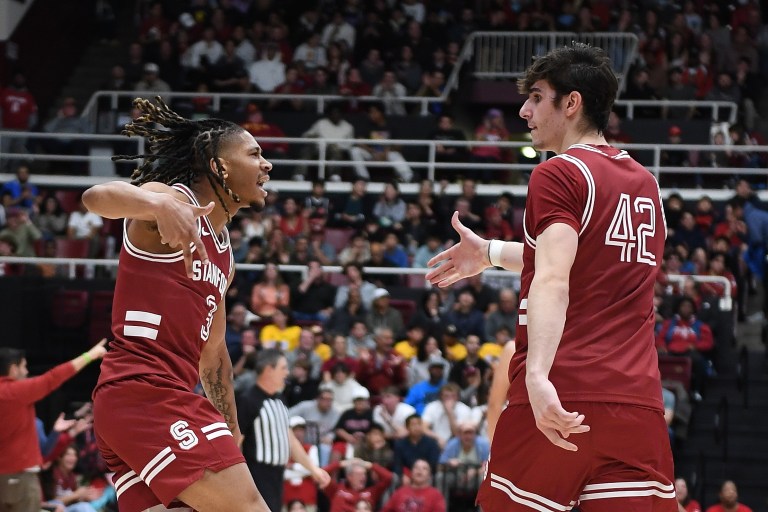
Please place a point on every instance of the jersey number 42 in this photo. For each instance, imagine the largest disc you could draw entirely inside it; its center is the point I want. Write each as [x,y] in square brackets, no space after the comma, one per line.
[631,238]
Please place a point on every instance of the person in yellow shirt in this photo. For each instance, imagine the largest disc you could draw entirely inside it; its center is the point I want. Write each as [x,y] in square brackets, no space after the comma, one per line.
[414,337]
[491,351]
[281,333]
[322,348]
[454,346]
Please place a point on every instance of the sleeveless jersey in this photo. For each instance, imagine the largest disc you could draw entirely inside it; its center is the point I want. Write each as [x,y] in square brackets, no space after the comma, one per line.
[607,351]
[161,317]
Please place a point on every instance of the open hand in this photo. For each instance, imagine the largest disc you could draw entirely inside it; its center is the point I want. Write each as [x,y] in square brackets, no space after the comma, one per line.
[551,418]
[467,258]
[177,225]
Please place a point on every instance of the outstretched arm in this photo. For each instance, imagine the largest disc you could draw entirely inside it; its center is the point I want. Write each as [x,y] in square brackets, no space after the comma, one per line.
[298,454]
[167,222]
[471,256]
[216,373]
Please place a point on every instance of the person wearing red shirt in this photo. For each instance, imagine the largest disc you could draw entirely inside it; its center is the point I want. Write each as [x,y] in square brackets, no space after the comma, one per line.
[256,126]
[20,458]
[18,111]
[729,499]
[419,494]
[684,501]
[344,496]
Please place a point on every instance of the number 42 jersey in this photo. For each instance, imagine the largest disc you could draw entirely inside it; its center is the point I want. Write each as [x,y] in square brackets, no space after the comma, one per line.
[607,352]
[161,318]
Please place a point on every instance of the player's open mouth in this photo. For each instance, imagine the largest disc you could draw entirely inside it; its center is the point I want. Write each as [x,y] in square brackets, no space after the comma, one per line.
[262,181]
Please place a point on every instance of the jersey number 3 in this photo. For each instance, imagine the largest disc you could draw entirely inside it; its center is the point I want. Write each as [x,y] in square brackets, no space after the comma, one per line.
[624,234]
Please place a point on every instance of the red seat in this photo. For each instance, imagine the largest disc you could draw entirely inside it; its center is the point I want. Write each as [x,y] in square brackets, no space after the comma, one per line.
[69,199]
[676,368]
[406,307]
[72,248]
[338,237]
[69,309]
[100,315]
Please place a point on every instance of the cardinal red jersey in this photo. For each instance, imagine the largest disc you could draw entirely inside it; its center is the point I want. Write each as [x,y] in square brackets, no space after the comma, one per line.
[160,316]
[606,352]
[16,107]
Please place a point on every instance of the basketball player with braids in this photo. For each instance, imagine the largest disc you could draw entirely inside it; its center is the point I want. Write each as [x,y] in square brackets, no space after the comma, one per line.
[171,448]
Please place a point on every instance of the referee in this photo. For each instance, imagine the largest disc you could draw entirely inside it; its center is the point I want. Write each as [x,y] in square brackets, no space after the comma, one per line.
[268,441]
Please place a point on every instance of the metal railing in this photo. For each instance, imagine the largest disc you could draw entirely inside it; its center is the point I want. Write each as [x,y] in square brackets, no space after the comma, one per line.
[726,301]
[430,164]
[713,106]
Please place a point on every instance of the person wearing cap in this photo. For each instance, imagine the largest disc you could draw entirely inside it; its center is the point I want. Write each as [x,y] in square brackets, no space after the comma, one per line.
[382,314]
[391,413]
[268,440]
[454,346]
[297,481]
[151,81]
[355,421]
[426,391]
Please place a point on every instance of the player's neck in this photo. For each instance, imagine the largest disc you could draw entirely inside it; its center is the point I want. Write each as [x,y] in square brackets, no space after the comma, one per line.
[218,217]
[591,137]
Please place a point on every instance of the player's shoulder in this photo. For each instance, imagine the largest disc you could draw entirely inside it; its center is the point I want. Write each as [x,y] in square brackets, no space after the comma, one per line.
[162,188]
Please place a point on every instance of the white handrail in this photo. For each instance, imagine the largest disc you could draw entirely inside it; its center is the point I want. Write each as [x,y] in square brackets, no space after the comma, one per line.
[733,108]
[726,301]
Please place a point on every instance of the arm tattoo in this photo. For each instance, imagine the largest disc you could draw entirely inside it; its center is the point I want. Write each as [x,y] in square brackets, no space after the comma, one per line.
[218,387]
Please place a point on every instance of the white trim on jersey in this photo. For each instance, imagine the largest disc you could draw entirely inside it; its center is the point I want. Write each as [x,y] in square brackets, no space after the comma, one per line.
[187,192]
[160,467]
[522,312]
[529,499]
[590,206]
[142,316]
[528,238]
[213,426]
[141,331]
[215,430]
[621,155]
[130,483]
[152,256]
[221,245]
[627,490]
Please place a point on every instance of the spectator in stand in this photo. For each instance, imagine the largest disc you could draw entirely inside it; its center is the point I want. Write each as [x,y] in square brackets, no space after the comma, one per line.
[52,219]
[269,71]
[134,65]
[486,296]
[432,86]
[292,222]
[443,416]
[414,336]
[408,71]
[613,132]
[688,233]
[340,379]
[717,267]
[639,88]
[20,193]
[465,315]
[390,209]
[392,413]
[155,26]
[729,499]
[321,413]
[200,58]
[282,333]
[389,90]
[311,53]
[414,447]
[358,250]
[394,251]
[270,292]
[685,502]
[382,315]
[343,497]
[458,373]
[685,335]
[67,121]
[321,83]
[372,69]
[237,323]
[227,68]
[332,126]
[446,131]
[418,493]
[678,90]
[505,315]
[243,46]
[293,84]
[256,126]
[375,448]
[355,421]
[21,458]
[428,390]
[84,224]
[355,278]
[18,112]
[65,485]
[22,231]
[298,486]
[305,351]
[381,367]
[338,30]
[491,129]
[340,353]
[300,387]
[379,128]
[427,251]
[462,459]
[344,318]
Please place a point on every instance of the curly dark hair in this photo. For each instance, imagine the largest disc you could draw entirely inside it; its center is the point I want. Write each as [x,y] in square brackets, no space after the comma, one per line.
[577,67]
[179,148]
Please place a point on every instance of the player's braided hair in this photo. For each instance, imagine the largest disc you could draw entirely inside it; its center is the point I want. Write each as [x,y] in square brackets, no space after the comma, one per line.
[179,149]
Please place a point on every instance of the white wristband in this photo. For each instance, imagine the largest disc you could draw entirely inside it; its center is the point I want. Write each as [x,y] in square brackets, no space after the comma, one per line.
[494,252]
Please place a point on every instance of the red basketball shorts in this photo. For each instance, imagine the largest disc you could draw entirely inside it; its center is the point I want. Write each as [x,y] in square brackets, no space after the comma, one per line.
[158,441]
[623,463]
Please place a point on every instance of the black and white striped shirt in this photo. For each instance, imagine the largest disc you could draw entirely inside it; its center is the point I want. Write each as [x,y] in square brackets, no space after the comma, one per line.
[263,420]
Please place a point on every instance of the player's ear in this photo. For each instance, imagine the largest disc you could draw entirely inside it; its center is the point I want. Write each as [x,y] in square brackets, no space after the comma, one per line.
[572,102]
[215,169]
